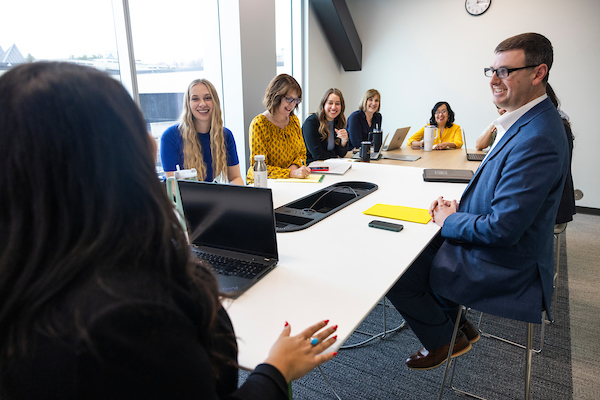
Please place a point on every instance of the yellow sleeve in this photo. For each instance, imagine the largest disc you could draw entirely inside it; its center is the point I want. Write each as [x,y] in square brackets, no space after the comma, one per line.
[454,136]
[417,136]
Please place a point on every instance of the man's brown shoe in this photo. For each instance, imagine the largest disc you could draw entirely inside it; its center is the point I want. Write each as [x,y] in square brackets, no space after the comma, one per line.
[424,359]
[470,332]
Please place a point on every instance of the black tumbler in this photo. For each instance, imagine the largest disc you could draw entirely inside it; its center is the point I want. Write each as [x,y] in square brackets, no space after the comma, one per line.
[377,137]
[365,151]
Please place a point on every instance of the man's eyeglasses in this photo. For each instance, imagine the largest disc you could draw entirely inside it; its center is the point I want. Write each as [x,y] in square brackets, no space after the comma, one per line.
[443,112]
[503,72]
[291,100]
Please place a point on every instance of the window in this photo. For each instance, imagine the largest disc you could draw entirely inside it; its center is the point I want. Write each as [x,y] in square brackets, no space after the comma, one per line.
[39,30]
[173,46]
[283,36]
[288,40]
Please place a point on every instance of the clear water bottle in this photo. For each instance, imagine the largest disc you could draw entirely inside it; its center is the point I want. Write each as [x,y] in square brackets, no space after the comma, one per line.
[260,171]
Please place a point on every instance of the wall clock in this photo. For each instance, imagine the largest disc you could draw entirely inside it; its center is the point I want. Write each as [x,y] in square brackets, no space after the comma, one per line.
[477,7]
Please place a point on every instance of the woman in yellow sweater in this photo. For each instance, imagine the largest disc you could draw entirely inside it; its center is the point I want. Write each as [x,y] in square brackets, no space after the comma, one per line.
[276,133]
[448,134]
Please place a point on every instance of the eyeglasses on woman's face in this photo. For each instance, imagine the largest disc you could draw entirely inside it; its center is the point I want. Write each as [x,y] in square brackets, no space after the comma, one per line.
[441,112]
[291,100]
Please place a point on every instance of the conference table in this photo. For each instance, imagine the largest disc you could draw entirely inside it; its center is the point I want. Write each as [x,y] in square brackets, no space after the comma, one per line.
[339,268]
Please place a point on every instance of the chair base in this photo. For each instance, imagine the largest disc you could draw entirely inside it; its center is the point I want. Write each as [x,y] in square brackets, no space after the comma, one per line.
[545,321]
[528,361]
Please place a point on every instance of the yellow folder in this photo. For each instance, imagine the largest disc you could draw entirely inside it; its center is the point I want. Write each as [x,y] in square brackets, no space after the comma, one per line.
[410,214]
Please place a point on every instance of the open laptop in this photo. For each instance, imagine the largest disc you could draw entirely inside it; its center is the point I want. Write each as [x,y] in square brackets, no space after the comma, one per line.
[232,229]
[471,156]
[374,155]
[397,139]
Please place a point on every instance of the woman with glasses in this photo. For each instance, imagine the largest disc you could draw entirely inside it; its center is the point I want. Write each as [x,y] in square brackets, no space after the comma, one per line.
[324,132]
[276,133]
[100,297]
[365,119]
[448,135]
[199,140]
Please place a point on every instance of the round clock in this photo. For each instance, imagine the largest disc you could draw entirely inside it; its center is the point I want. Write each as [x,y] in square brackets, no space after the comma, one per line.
[477,7]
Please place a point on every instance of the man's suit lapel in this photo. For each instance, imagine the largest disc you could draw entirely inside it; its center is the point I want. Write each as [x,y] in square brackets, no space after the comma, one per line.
[508,136]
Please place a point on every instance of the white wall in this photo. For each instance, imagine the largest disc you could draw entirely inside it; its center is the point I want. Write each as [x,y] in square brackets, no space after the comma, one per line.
[419,52]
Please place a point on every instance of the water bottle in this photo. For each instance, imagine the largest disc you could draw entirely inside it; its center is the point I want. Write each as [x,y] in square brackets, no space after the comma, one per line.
[260,171]
[377,138]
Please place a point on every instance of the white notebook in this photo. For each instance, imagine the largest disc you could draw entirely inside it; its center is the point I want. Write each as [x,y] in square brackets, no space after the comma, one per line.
[335,166]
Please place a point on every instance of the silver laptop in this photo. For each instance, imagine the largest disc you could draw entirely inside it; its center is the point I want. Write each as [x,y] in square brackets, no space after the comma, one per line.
[232,229]
[397,139]
[471,156]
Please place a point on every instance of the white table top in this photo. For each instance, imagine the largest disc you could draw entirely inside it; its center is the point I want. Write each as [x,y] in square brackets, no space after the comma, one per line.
[339,268]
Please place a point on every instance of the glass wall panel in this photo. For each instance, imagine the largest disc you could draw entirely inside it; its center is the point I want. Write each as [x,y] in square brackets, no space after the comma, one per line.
[283,38]
[60,30]
[174,43]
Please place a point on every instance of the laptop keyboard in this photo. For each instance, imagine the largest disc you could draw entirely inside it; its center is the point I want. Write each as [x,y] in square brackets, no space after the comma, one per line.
[230,266]
[475,156]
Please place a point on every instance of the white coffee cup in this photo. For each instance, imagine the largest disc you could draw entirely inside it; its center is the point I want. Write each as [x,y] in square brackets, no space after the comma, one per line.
[428,137]
[187,174]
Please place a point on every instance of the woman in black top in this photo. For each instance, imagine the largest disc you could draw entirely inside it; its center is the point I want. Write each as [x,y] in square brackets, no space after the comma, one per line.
[99,297]
[324,132]
[366,119]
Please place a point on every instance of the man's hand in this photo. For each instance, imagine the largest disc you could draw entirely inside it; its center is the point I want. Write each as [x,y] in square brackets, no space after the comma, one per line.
[440,209]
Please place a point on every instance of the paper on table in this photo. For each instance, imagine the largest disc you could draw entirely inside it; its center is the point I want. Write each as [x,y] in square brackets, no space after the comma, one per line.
[410,214]
[312,178]
[336,167]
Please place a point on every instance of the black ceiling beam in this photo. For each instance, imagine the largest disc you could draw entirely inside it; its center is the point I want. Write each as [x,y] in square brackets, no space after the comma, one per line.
[336,22]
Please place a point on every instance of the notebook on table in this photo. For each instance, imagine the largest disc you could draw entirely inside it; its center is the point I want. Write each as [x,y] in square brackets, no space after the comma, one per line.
[397,139]
[232,229]
[471,156]
[447,175]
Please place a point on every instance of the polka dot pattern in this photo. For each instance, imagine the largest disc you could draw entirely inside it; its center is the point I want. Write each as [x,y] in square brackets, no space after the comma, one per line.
[281,147]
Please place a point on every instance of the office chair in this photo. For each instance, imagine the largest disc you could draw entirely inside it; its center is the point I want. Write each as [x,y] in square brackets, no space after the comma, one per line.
[559,229]
[528,358]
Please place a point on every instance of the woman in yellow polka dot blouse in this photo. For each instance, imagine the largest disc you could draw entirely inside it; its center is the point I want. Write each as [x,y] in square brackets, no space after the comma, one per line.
[276,133]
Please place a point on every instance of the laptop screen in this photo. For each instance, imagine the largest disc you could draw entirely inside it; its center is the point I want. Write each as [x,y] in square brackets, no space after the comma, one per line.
[230,217]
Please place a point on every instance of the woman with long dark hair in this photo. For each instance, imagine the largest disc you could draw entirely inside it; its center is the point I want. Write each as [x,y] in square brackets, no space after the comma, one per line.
[325,132]
[99,296]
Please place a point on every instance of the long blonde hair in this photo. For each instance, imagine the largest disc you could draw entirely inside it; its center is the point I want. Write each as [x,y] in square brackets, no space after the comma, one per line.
[340,120]
[192,150]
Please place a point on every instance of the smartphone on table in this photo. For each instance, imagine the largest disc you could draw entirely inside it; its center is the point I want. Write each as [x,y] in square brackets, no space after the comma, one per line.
[389,226]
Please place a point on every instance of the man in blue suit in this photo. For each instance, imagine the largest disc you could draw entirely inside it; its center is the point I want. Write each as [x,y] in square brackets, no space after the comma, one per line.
[494,251]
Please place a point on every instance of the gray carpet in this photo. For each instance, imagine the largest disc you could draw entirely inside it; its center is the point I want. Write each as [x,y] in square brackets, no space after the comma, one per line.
[492,369]
[584,304]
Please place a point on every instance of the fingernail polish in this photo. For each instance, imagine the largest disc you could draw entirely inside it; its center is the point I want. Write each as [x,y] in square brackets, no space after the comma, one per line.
[335,327]
[326,321]
[286,323]
[335,353]
[334,337]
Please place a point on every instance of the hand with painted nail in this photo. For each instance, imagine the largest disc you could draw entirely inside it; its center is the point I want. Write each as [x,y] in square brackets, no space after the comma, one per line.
[295,356]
